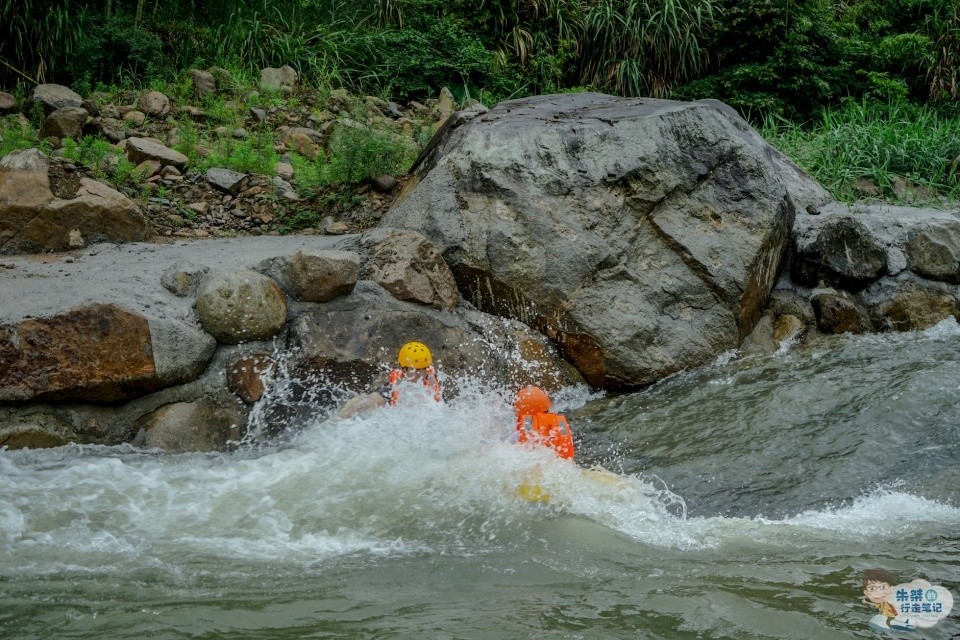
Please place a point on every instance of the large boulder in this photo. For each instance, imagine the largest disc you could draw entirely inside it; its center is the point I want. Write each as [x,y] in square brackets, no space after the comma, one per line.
[933,250]
[354,340]
[843,253]
[95,353]
[317,276]
[56,96]
[241,305]
[642,235]
[33,219]
[64,123]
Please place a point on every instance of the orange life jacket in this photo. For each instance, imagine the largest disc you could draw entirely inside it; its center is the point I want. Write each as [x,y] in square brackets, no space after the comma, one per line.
[429,380]
[547,429]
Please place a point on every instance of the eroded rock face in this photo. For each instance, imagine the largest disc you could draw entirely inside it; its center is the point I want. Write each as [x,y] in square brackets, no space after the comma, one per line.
[843,254]
[642,235]
[100,353]
[241,305]
[354,340]
[933,250]
[408,266]
[33,220]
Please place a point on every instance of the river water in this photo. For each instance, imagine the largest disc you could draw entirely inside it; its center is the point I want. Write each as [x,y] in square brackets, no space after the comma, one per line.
[752,494]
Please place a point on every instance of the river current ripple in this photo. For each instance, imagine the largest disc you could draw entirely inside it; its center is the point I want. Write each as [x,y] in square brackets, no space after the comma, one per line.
[751,495]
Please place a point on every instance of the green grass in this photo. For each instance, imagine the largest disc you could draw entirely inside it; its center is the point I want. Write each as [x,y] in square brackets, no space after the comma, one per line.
[102,158]
[13,136]
[879,142]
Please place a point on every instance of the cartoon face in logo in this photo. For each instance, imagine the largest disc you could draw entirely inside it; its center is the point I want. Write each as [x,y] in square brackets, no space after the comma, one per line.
[908,606]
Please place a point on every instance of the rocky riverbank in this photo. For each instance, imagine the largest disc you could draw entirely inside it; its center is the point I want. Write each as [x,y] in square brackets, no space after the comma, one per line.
[552,240]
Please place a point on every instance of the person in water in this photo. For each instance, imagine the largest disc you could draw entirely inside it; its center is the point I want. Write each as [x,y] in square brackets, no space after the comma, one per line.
[537,426]
[414,366]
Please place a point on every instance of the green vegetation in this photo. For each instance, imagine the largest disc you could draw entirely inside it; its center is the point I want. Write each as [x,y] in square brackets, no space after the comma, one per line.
[16,136]
[102,157]
[907,152]
[852,89]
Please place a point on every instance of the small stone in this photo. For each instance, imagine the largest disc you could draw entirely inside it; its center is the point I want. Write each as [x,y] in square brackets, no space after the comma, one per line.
[136,118]
[383,183]
[75,239]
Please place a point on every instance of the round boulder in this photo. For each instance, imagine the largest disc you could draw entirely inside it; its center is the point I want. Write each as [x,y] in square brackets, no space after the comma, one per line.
[184,427]
[239,305]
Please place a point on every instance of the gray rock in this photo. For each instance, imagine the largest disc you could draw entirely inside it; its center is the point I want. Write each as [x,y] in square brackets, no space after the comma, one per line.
[56,96]
[281,78]
[642,235]
[909,304]
[322,276]
[7,102]
[260,115]
[383,184]
[140,149]
[285,189]
[408,266]
[187,427]
[240,305]
[204,84]
[933,250]
[154,104]
[843,254]
[226,180]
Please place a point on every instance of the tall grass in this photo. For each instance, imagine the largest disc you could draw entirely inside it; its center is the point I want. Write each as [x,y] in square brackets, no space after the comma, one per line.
[879,142]
[645,47]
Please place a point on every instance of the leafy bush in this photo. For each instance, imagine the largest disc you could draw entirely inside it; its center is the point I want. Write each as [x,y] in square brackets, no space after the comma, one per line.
[113,49]
[251,155]
[14,136]
[358,153]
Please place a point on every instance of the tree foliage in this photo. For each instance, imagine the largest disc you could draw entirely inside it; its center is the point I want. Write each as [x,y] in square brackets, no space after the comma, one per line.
[789,57]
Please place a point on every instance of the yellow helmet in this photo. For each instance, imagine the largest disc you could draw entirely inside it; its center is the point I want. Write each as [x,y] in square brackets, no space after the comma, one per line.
[414,354]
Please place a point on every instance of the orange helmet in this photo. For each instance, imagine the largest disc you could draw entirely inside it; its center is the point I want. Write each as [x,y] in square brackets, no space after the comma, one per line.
[531,400]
